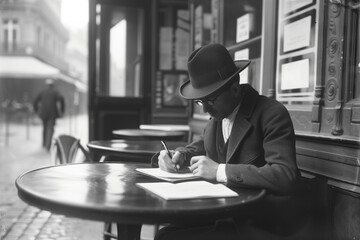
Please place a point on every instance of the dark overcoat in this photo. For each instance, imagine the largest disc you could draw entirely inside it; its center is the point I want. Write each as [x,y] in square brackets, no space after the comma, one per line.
[261,146]
[49,104]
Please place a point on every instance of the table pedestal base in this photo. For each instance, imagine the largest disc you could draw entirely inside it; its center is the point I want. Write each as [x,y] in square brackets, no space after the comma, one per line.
[127,231]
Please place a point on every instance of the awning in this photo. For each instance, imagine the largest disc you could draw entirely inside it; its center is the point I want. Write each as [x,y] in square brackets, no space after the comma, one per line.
[31,67]
[13,66]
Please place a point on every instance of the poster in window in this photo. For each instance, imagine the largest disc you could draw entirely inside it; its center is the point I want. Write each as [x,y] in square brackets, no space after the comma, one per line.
[296,78]
[243,27]
[298,33]
[171,86]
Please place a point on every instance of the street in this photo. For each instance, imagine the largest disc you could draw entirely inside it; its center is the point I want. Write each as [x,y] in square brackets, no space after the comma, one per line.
[20,151]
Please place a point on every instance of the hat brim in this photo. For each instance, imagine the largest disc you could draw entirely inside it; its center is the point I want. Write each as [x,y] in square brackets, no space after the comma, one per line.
[188,92]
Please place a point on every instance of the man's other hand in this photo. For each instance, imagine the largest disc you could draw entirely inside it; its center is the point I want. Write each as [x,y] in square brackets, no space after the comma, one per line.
[204,167]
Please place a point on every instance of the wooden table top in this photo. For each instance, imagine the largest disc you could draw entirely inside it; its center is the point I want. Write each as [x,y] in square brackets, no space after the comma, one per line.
[108,192]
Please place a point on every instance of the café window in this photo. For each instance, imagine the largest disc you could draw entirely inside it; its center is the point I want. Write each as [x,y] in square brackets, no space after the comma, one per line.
[171,51]
[117,58]
[297,52]
[120,51]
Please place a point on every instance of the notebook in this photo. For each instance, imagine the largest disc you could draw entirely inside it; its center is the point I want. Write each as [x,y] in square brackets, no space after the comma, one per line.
[167,176]
[188,190]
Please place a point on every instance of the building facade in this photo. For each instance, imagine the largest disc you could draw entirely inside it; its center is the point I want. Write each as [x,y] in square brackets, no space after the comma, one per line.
[33,45]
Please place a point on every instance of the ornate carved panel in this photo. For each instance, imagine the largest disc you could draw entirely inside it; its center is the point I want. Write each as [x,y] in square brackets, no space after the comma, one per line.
[333,101]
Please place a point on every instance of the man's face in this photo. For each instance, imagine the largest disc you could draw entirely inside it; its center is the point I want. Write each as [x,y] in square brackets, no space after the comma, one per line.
[221,105]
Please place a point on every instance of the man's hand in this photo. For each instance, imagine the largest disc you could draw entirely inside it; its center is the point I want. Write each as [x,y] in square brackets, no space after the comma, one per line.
[204,167]
[168,164]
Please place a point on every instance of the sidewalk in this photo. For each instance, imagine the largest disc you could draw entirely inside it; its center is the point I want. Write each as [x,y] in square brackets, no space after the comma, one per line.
[21,152]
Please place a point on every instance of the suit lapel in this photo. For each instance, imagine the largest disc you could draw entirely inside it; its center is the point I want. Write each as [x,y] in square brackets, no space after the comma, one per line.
[242,125]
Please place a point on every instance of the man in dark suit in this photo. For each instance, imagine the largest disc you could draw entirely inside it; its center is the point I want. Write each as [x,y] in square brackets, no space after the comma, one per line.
[248,142]
[49,105]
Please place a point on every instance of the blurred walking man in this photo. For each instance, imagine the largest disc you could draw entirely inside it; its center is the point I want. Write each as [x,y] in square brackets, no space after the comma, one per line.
[49,105]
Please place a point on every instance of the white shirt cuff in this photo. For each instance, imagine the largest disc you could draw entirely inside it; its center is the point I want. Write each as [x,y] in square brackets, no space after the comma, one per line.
[221,174]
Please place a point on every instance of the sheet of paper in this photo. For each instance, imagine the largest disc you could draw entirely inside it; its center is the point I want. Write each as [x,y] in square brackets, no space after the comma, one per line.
[188,190]
[167,176]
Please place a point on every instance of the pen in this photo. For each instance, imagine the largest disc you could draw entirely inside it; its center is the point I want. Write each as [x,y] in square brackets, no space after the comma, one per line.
[169,153]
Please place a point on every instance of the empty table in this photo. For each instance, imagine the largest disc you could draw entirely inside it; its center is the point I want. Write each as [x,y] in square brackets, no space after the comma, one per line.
[127,150]
[148,134]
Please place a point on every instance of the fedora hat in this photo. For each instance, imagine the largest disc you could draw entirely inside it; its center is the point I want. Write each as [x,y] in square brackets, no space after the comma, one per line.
[210,68]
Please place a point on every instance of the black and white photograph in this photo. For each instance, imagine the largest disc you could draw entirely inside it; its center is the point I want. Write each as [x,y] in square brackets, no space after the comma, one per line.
[180,119]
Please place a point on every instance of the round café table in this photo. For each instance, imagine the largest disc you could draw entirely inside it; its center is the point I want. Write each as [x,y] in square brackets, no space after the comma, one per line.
[149,134]
[108,192]
[128,150]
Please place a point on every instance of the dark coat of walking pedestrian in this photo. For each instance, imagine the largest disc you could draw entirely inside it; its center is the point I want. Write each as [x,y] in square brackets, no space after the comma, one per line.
[49,105]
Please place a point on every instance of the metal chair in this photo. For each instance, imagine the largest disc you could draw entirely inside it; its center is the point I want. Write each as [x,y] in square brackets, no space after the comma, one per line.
[65,148]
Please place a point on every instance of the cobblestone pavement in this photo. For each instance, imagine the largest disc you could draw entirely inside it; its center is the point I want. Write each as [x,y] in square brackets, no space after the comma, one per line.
[19,152]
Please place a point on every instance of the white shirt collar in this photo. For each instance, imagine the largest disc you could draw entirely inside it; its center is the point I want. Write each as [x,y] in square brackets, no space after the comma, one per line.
[227,123]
